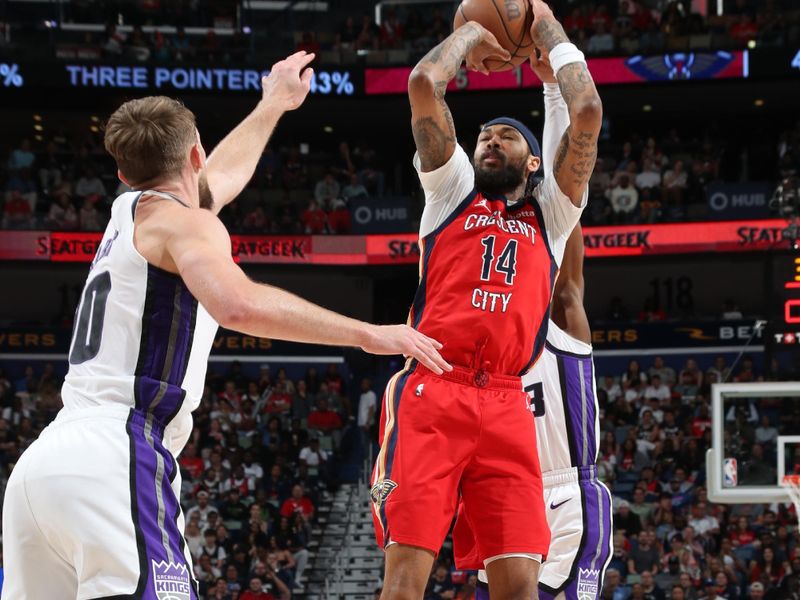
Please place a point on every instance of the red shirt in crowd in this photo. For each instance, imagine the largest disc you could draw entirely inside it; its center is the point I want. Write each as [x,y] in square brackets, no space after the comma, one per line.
[250,595]
[742,538]
[324,420]
[293,506]
[340,220]
[17,207]
[699,426]
[194,465]
[313,220]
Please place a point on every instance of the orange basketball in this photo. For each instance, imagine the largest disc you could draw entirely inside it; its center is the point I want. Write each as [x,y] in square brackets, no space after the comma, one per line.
[509,20]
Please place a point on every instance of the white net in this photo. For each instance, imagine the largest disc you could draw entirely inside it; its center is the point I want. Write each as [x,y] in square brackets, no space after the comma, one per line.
[791,483]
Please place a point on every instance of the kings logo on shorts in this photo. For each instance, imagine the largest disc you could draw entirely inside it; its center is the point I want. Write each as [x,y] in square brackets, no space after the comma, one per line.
[381,490]
[171,581]
[588,584]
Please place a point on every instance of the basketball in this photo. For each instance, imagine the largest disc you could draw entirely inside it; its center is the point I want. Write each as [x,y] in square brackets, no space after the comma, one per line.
[509,20]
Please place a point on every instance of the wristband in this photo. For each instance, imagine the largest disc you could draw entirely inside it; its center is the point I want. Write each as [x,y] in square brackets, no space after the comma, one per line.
[564,54]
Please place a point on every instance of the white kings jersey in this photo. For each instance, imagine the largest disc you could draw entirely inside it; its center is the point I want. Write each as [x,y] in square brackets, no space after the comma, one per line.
[564,400]
[140,339]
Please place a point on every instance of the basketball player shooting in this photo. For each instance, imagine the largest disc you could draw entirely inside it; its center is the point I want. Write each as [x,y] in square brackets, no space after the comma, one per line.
[92,508]
[490,244]
[563,395]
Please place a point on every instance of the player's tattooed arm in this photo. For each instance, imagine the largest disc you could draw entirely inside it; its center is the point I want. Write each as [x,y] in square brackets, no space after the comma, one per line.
[431,120]
[577,151]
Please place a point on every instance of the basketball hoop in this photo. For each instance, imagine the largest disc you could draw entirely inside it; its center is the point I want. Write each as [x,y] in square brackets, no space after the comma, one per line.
[791,483]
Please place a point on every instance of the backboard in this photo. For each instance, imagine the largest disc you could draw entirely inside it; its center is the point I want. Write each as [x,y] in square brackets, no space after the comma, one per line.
[747,458]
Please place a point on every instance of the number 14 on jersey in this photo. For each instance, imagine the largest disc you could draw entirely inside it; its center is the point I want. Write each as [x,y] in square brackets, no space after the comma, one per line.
[504,264]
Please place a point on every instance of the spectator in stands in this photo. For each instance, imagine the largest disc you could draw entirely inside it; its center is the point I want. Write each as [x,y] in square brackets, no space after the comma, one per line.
[746,371]
[367,406]
[639,506]
[201,509]
[354,189]
[22,183]
[675,181]
[440,585]
[368,37]
[334,380]
[650,175]
[575,22]
[664,371]
[391,30]
[21,157]
[720,369]
[339,220]
[347,35]
[744,29]
[62,213]
[657,390]
[314,219]
[767,568]
[138,48]
[255,591]
[624,199]
[257,221]
[756,591]
[192,463]
[89,217]
[181,45]
[215,553]
[17,213]
[51,168]
[326,190]
[644,556]
[650,590]
[302,402]
[114,41]
[298,503]
[295,173]
[323,419]
[89,186]
[315,459]
[692,371]
[765,433]
[276,485]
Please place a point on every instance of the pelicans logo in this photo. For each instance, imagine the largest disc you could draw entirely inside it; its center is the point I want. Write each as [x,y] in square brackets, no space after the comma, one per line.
[381,490]
[680,65]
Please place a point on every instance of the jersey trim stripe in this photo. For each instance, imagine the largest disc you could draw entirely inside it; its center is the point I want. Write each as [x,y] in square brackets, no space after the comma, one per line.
[562,379]
[385,461]
[168,325]
[140,545]
[427,245]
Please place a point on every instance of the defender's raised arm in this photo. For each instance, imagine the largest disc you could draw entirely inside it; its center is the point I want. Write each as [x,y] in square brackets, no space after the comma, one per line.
[577,151]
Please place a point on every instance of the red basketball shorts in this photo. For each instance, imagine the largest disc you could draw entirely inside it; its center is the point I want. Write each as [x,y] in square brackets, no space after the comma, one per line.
[465,435]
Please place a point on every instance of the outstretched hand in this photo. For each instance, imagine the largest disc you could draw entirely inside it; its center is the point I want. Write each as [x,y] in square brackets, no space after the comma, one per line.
[289,81]
[488,48]
[405,340]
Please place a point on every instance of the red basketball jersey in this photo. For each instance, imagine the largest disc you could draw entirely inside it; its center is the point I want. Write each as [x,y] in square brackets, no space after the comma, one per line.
[487,271]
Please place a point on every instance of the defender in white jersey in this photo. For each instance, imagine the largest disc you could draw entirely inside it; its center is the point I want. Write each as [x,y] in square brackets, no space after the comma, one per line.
[92,507]
[564,400]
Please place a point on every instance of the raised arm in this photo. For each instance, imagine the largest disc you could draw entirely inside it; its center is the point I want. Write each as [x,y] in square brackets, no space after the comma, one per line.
[577,151]
[232,163]
[431,121]
[199,247]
